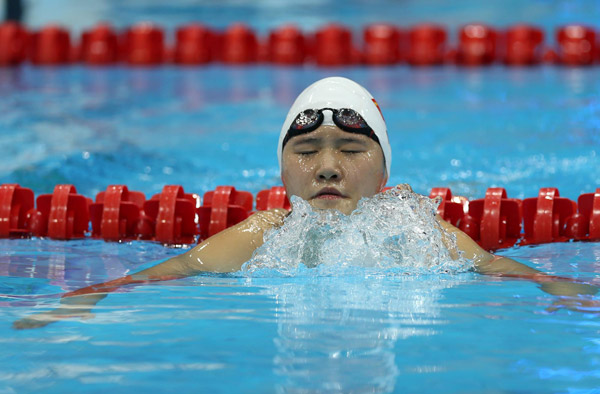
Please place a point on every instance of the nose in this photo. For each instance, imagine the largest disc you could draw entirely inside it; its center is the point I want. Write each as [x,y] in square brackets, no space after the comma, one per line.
[329,168]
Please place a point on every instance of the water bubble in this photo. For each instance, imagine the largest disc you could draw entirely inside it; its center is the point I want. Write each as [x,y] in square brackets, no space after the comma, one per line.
[394,232]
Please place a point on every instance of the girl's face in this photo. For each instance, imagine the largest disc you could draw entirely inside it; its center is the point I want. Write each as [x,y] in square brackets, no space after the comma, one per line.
[333,169]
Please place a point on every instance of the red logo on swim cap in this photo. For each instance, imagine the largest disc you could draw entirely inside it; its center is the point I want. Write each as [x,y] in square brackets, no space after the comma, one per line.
[377,105]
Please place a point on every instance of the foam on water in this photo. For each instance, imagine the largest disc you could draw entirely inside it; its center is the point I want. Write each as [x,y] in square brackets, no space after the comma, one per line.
[395,231]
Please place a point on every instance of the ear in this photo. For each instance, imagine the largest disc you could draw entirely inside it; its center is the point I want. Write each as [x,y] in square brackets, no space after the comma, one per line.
[383,180]
[281,175]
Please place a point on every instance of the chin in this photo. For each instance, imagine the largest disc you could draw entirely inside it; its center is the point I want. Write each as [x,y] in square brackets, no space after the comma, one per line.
[345,206]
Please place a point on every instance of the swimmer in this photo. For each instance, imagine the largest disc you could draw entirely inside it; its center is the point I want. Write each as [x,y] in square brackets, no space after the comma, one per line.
[333,150]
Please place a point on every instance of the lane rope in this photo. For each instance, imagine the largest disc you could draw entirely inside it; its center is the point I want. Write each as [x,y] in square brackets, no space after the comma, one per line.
[174,217]
[425,44]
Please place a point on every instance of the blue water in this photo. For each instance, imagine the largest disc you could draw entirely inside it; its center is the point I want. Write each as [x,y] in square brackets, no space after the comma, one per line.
[467,129]
[520,129]
[359,331]
[451,333]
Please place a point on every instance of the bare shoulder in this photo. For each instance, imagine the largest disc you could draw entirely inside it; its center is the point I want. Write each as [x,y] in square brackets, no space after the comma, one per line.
[485,262]
[269,218]
[470,249]
[275,213]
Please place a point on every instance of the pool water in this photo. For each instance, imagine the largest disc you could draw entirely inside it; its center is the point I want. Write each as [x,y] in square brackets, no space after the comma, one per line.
[467,129]
[359,330]
[213,333]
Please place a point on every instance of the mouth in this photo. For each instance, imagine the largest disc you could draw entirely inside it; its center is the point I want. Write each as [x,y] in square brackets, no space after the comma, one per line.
[329,193]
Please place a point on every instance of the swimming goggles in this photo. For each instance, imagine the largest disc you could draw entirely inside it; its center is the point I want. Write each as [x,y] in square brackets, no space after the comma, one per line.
[345,118]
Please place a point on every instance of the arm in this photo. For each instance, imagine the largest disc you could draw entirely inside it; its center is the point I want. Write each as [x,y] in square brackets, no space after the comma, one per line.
[489,264]
[226,251]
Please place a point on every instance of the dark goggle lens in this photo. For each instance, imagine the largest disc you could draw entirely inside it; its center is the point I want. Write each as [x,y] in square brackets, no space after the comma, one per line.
[351,119]
[346,119]
[306,120]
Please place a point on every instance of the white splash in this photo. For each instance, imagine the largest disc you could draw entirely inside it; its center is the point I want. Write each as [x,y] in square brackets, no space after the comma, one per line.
[393,231]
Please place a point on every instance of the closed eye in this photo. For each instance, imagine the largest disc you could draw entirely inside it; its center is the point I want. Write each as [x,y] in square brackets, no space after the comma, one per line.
[352,146]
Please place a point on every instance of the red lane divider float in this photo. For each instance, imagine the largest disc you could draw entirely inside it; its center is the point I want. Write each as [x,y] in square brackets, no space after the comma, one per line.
[589,207]
[176,217]
[51,46]
[239,45]
[576,45]
[426,45]
[14,41]
[15,203]
[332,45]
[545,217]
[173,214]
[223,208]
[275,197]
[585,224]
[143,45]
[99,46]
[523,45]
[451,209]
[195,45]
[116,214]
[496,220]
[64,214]
[383,44]
[287,45]
[477,45]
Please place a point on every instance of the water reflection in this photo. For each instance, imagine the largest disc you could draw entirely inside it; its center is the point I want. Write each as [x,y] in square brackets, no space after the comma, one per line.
[190,89]
[239,89]
[344,333]
[69,265]
[147,80]
[101,83]
[571,259]
[575,80]
[285,87]
[11,79]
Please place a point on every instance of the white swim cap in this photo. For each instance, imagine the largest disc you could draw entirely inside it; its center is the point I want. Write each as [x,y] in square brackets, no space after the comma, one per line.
[337,93]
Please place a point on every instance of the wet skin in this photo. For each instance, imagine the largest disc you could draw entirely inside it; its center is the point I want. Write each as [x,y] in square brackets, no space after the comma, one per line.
[333,169]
